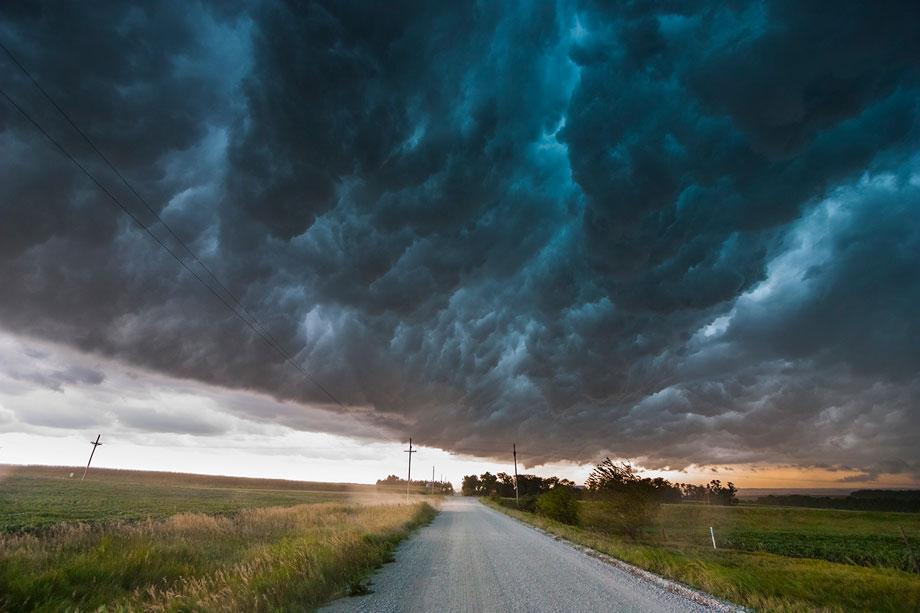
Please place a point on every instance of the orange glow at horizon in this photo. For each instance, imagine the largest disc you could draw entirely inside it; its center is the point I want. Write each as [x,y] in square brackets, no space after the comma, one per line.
[753,476]
[749,476]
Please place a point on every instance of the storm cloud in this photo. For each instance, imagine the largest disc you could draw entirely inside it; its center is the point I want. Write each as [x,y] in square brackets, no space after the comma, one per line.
[679,232]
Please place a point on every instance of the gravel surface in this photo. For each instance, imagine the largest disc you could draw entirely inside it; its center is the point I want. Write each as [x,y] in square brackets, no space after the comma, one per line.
[473,558]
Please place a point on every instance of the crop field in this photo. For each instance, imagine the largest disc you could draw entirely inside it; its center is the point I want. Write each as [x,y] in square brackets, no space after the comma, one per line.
[132,540]
[34,497]
[849,537]
[771,558]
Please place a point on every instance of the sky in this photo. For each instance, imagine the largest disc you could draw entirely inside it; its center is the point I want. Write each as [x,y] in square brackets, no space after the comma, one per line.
[682,234]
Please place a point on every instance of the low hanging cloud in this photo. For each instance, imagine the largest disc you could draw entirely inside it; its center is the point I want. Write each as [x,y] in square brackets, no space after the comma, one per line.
[679,232]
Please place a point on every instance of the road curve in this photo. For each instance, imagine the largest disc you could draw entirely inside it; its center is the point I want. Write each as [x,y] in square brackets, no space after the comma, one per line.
[473,558]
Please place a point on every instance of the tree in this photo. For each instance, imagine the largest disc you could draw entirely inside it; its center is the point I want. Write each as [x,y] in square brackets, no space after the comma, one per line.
[488,484]
[443,487]
[531,485]
[622,502]
[610,477]
[665,491]
[505,485]
[502,485]
[719,494]
[693,492]
[421,486]
[711,493]
[471,486]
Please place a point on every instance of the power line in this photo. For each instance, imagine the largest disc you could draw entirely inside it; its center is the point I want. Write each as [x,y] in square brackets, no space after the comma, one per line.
[131,188]
[253,326]
[263,332]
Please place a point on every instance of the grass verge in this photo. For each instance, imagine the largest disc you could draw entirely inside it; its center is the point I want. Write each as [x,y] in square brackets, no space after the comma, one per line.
[760,580]
[292,558]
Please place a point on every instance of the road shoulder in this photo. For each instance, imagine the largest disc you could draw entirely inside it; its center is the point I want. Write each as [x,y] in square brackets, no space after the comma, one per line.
[697,596]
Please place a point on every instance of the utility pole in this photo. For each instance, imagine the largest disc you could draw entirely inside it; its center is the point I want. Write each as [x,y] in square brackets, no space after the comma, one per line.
[95,444]
[432,479]
[410,451]
[517,500]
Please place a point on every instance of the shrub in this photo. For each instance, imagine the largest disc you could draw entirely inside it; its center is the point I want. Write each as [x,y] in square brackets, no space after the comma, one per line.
[560,504]
[625,511]
[528,503]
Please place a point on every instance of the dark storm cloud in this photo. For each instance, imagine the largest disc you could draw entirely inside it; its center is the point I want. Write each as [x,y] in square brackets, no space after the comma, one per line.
[684,233]
[154,420]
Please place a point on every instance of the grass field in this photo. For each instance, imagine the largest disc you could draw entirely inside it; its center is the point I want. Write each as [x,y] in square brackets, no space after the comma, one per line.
[130,540]
[33,497]
[861,538]
[780,559]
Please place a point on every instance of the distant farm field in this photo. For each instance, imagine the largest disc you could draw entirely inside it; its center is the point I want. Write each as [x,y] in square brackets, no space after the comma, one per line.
[34,497]
[771,558]
[153,541]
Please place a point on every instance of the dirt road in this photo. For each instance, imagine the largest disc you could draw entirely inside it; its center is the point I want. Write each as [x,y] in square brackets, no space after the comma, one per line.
[473,558]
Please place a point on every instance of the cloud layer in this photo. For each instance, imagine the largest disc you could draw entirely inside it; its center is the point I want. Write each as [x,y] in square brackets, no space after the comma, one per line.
[676,232]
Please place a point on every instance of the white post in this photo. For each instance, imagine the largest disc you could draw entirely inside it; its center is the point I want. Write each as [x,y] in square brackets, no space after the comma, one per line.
[713,535]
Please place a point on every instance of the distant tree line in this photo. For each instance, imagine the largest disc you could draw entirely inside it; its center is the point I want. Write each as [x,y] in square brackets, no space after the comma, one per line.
[502,485]
[902,501]
[606,476]
[711,493]
[422,487]
[614,499]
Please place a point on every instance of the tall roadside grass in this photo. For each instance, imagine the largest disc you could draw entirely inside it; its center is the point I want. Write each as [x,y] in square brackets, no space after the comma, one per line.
[774,578]
[292,558]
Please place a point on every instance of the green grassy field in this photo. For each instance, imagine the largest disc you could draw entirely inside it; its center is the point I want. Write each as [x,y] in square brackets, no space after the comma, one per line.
[861,538]
[153,541]
[783,559]
[33,497]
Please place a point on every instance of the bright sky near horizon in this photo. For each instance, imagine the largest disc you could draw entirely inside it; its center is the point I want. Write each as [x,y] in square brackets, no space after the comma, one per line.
[52,405]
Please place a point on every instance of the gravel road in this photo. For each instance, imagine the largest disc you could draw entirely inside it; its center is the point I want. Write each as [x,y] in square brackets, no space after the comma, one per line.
[473,558]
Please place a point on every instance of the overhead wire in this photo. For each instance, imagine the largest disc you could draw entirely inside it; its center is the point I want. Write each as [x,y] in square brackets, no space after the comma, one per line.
[254,325]
[130,187]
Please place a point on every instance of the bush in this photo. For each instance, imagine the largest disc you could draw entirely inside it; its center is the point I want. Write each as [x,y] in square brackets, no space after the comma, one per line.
[560,504]
[624,512]
[528,503]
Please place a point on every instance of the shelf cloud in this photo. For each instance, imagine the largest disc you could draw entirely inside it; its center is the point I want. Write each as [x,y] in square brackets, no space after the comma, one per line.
[678,232]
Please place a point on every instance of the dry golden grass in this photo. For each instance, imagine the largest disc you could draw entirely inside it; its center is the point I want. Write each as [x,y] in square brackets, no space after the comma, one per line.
[291,558]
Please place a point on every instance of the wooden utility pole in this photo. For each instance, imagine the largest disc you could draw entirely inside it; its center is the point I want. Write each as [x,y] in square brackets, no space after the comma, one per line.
[95,444]
[517,500]
[432,479]
[410,451]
